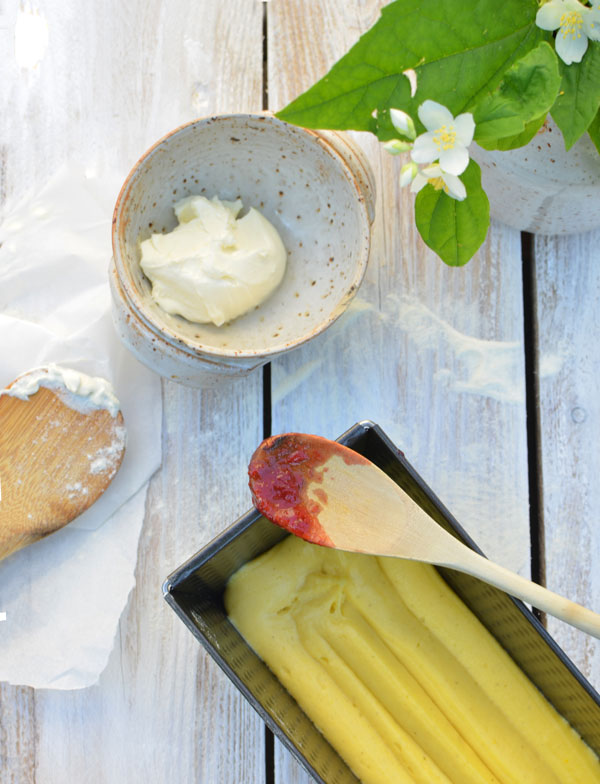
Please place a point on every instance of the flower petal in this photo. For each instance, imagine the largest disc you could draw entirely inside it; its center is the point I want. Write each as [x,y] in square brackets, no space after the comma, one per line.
[464,125]
[549,15]
[574,5]
[569,49]
[455,160]
[418,183]
[408,173]
[424,149]
[591,24]
[411,75]
[433,115]
[456,188]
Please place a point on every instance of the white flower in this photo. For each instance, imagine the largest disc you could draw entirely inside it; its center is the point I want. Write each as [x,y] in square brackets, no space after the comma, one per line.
[575,23]
[446,140]
[441,180]
[403,123]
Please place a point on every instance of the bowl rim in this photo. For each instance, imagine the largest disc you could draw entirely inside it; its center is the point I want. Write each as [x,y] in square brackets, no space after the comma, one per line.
[196,348]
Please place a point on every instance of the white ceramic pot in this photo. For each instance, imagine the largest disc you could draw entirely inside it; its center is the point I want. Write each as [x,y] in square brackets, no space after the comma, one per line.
[542,188]
[316,188]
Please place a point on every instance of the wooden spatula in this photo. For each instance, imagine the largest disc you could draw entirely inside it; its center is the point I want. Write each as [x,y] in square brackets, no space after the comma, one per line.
[332,496]
[56,458]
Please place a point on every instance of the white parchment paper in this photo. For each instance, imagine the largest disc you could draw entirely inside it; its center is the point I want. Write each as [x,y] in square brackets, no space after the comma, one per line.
[62,597]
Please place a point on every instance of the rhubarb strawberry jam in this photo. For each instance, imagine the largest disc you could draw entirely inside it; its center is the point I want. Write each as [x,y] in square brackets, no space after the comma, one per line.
[283,470]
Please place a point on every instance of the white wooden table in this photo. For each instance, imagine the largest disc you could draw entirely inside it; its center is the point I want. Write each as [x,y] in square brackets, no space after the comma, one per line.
[487,377]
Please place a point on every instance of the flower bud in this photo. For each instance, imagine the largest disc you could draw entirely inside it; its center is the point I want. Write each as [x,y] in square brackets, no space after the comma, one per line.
[396,146]
[403,123]
[408,173]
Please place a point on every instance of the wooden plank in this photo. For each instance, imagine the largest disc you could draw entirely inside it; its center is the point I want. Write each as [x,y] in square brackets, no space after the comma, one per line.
[114,78]
[568,291]
[433,354]
[162,708]
[425,347]
[310,37]
[117,76]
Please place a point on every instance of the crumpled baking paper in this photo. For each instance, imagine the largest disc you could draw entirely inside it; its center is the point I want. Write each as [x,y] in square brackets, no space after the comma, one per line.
[61,598]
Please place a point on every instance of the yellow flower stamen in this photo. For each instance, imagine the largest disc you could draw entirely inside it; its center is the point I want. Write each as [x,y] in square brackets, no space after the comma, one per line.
[571,23]
[438,183]
[444,137]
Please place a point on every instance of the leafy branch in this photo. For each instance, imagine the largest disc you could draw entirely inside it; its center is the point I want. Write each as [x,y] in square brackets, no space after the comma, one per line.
[482,57]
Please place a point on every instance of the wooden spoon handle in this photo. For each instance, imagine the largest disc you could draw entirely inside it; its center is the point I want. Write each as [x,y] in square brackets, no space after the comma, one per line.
[470,562]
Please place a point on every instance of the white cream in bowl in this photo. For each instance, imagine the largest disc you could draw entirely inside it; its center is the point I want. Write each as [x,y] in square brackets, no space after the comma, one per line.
[314,188]
[214,266]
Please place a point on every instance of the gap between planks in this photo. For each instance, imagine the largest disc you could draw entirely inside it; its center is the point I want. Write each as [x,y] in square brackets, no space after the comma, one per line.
[534,461]
[266,372]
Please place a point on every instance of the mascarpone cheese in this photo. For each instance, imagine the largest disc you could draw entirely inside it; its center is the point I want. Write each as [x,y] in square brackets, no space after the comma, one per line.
[87,392]
[214,266]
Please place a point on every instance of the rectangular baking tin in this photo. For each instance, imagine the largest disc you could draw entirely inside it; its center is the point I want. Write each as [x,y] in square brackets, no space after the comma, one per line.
[195,592]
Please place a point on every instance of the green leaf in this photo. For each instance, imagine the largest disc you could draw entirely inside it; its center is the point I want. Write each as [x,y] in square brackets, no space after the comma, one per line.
[594,130]
[454,229]
[519,140]
[460,50]
[527,92]
[579,96]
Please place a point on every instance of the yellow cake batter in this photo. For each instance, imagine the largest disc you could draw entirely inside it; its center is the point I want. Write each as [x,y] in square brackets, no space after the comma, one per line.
[381,651]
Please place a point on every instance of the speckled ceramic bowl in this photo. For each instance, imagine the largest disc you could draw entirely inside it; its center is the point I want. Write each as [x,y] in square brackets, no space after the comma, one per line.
[315,187]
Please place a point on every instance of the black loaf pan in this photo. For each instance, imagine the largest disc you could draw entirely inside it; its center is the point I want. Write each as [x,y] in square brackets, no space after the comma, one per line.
[195,592]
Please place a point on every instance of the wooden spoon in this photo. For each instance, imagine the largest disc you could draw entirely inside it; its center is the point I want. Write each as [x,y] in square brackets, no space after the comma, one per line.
[57,457]
[332,496]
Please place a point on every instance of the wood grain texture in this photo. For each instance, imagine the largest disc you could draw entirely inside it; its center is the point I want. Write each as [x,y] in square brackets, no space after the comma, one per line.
[17,734]
[568,321]
[162,709]
[432,354]
[114,78]
[117,76]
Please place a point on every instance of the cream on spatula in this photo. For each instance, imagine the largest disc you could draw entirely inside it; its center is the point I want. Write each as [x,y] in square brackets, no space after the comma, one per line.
[330,495]
[62,440]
